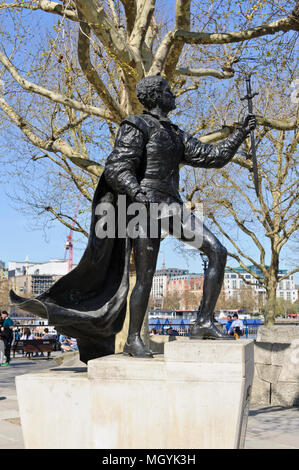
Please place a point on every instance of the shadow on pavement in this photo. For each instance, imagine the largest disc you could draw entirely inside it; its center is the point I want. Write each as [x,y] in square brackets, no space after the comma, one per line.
[271,409]
[70,369]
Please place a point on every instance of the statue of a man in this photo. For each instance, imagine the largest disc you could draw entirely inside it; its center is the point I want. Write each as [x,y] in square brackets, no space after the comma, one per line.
[90,302]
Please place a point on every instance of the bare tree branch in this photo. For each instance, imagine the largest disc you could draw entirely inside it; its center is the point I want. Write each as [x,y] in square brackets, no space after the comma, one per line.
[145,10]
[130,11]
[283,24]
[217,135]
[72,225]
[279,124]
[238,272]
[182,21]
[189,72]
[241,253]
[285,276]
[94,14]
[50,145]
[52,95]
[161,54]
[91,73]
[70,125]
[46,6]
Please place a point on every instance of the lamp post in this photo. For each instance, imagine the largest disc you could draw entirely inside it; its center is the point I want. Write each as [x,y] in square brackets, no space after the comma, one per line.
[205,262]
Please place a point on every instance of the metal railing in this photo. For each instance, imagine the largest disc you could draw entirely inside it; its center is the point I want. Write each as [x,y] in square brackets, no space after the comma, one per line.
[183,327]
[180,327]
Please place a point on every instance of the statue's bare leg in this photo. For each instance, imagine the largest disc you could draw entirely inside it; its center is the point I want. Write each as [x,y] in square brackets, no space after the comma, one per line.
[217,254]
[145,256]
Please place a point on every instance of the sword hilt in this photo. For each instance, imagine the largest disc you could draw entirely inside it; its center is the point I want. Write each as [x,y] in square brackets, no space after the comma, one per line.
[249,97]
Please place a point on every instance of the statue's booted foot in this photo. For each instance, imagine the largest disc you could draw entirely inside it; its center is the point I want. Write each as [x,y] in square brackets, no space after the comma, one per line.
[134,347]
[208,331]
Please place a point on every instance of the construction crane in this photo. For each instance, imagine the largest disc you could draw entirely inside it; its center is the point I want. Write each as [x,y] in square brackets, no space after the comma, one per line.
[69,243]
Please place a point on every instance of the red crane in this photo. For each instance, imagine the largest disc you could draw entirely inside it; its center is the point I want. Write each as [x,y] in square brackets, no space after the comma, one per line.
[69,243]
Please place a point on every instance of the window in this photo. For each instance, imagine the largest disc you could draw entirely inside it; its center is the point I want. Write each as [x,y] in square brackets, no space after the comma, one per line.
[234,284]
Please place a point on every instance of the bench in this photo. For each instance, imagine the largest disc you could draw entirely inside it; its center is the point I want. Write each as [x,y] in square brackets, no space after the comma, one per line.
[31,346]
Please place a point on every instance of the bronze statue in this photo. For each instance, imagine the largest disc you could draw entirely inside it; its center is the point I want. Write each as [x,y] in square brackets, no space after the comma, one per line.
[89,303]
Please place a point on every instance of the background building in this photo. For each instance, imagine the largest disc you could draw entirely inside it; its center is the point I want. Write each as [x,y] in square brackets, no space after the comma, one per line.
[176,288]
[160,283]
[3,271]
[54,266]
[29,279]
[235,283]
[161,279]
[188,288]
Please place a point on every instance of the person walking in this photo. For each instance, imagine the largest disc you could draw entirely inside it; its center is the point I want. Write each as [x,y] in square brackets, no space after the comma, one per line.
[7,335]
[2,355]
[2,347]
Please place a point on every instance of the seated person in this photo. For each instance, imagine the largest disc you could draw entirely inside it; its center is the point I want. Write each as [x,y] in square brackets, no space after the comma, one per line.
[46,334]
[172,332]
[27,334]
[68,344]
[228,324]
[237,326]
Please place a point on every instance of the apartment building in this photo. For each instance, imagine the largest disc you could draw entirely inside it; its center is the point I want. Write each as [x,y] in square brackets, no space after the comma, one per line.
[237,279]
[30,279]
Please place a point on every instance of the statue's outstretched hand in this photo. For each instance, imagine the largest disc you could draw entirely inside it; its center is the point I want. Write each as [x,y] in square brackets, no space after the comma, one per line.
[249,123]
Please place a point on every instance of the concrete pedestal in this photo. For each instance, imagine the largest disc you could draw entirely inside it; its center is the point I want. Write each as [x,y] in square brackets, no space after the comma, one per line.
[196,396]
[276,377]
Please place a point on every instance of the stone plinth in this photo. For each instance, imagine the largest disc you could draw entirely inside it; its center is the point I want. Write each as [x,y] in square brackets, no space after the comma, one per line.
[276,377]
[157,342]
[196,396]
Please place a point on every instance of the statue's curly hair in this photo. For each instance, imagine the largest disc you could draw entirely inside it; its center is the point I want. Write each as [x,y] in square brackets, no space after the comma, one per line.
[148,89]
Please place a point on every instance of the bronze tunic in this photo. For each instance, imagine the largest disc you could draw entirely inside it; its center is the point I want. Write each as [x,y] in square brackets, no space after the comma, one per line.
[148,152]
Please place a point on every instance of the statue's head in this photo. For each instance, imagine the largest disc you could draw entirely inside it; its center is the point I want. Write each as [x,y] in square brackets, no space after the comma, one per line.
[153,91]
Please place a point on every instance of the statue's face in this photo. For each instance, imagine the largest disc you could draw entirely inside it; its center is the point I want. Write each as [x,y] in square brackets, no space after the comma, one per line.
[166,100]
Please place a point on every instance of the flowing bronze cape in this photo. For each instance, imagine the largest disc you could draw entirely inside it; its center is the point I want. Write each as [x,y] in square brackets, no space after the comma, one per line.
[89,303]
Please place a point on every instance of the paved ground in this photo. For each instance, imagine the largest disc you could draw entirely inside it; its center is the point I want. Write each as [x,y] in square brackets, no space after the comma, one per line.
[271,427]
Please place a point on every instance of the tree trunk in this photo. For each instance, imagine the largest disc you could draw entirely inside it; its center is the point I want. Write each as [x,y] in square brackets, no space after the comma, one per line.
[121,337]
[271,304]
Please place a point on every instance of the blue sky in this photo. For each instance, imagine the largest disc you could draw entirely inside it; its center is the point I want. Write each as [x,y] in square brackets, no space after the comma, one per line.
[17,240]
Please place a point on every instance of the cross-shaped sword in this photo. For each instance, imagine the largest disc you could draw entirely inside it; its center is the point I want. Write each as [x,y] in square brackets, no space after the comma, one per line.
[249,97]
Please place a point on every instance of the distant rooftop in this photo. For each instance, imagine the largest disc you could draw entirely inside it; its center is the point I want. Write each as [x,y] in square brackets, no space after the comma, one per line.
[253,268]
